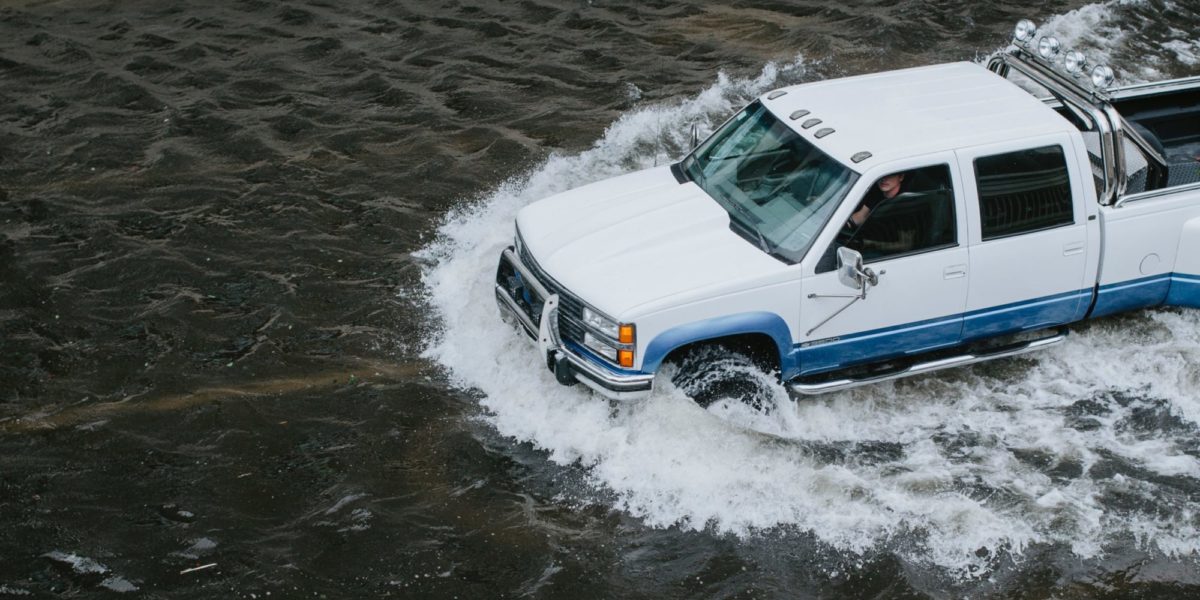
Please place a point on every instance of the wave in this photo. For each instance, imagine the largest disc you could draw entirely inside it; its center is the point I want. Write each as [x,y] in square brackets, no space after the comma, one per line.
[1089,446]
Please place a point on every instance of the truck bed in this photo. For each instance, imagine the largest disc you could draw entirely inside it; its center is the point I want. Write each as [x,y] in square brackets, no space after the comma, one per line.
[1173,120]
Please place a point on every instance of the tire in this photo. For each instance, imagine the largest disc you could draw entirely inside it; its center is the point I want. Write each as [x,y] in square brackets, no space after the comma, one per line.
[711,373]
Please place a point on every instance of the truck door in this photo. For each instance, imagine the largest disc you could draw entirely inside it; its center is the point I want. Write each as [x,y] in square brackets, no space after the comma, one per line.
[916,244]
[1029,242]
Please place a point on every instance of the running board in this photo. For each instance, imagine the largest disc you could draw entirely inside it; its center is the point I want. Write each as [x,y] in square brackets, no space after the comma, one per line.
[810,389]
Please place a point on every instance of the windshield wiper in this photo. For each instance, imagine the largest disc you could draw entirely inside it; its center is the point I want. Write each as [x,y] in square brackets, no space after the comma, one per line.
[762,240]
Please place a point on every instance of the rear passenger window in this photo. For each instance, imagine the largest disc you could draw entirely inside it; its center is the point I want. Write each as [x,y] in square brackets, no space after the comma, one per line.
[1023,191]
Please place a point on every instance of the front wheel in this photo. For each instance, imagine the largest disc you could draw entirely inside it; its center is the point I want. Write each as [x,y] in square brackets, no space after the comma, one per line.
[708,374]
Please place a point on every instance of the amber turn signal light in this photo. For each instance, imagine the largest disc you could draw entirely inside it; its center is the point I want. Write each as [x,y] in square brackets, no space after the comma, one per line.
[626,334]
[625,358]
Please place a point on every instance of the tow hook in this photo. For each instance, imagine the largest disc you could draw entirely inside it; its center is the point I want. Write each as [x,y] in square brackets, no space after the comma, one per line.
[562,369]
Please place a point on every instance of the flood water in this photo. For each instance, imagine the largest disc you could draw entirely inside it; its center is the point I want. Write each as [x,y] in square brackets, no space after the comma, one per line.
[248,345]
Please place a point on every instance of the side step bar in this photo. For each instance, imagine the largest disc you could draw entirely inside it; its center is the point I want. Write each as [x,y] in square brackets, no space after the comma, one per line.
[825,387]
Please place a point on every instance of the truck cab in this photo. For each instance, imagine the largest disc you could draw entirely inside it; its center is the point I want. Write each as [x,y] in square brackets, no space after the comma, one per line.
[844,232]
[992,185]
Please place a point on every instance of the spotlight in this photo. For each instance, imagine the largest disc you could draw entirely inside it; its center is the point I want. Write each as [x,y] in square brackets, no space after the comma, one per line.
[1075,62]
[1048,47]
[1102,77]
[1025,31]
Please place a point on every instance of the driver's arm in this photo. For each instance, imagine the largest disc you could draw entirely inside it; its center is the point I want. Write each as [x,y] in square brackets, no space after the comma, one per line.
[860,216]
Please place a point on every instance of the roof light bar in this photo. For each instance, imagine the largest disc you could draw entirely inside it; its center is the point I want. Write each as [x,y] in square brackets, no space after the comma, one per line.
[1048,49]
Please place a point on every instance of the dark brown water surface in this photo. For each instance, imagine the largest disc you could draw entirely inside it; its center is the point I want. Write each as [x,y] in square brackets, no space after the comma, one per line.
[211,316]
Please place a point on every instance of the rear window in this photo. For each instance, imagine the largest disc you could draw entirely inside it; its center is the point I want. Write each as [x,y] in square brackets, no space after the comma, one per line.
[1025,191]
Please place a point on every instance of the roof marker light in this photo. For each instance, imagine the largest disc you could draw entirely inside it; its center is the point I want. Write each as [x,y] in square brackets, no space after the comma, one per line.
[1102,77]
[822,132]
[798,114]
[810,123]
[859,157]
[775,94]
[1075,62]
[1024,32]
[1049,47]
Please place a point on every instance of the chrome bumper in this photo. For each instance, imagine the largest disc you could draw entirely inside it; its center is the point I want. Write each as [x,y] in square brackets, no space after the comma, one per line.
[567,366]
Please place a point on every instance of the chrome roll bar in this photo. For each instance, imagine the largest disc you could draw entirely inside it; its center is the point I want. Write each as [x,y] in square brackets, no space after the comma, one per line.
[1108,121]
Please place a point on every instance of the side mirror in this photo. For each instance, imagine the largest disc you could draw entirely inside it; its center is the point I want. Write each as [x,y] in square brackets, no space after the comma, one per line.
[850,264]
[851,272]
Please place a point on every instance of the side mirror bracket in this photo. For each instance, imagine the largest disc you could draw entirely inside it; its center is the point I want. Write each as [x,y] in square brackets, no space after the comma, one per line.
[852,274]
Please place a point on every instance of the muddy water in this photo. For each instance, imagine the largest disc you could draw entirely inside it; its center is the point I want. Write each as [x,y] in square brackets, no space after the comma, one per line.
[247,345]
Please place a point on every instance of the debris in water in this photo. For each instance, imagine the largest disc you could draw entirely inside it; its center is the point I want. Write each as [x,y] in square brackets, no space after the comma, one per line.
[199,568]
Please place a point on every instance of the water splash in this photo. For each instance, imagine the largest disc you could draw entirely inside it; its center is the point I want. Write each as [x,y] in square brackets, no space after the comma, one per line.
[958,470]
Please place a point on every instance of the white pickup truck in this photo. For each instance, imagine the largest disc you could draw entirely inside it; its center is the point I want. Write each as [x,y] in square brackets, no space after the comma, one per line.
[855,230]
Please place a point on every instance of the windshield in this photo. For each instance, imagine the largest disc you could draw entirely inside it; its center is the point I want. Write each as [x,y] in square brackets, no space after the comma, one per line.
[778,188]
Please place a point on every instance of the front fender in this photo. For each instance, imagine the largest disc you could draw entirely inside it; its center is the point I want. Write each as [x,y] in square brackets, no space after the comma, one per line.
[769,324]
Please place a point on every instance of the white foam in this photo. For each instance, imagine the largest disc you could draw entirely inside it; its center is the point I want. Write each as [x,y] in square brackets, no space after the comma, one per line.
[118,584]
[1185,52]
[80,564]
[1118,33]
[1089,27]
[935,468]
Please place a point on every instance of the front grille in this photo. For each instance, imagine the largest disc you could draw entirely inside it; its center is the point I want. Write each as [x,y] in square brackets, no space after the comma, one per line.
[570,307]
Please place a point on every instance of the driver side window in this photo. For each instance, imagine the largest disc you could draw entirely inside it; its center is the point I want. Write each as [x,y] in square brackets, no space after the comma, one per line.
[904,213]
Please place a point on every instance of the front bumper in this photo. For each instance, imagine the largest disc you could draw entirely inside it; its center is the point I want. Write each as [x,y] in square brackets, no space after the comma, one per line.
[567,365]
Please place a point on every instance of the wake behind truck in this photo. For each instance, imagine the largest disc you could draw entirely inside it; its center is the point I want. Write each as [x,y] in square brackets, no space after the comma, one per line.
[1031,194]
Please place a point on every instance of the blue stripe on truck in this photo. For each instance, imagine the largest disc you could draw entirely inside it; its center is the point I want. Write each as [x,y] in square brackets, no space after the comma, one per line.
[877,344]
[911,338]
[1047,311]
[1185,290]
[1128,295]
[1171,289]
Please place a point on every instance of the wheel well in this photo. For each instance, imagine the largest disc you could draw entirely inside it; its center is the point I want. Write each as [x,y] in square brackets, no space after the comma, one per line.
[759,347]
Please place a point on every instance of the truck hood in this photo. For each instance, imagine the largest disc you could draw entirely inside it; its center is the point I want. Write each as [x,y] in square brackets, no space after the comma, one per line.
[623,242]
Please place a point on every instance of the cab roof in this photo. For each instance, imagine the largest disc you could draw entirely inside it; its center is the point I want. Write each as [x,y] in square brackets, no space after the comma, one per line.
[910,112]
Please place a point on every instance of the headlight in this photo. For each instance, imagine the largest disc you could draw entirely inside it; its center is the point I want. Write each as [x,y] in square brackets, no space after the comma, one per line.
[600,323]
[621,356]
[600,347]
[618,342]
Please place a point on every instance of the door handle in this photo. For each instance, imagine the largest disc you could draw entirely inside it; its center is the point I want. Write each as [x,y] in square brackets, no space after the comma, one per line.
[954,272]
[1073,248]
